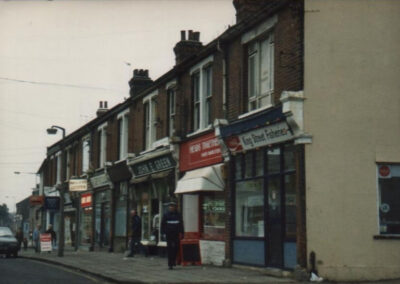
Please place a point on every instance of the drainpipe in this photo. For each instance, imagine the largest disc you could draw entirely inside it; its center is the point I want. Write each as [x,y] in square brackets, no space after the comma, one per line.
[224,80]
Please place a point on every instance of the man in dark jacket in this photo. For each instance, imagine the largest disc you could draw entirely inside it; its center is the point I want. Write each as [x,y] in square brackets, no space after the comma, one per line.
[172,227]
[53,236]
[136,234]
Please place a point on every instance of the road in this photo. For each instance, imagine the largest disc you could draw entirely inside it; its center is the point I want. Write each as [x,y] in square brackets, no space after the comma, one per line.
[21,271]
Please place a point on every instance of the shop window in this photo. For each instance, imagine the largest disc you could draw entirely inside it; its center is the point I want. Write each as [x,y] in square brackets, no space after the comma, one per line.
[289,158]
[250,208]
[120,211]
[248,159]
[290,207]
[260,65]
[86,226]
[238,167]
[213,216]
[274,160]
[389,198]
[259,163]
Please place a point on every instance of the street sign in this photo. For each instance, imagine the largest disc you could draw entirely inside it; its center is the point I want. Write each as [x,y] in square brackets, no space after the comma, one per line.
[45,242]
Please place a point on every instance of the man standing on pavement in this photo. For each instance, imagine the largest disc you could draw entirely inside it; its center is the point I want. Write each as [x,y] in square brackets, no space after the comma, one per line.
[172,227]
[53,236]
[136,234]
[36,238]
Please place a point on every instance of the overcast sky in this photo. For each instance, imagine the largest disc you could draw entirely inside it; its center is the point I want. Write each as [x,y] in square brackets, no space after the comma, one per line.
[58,59]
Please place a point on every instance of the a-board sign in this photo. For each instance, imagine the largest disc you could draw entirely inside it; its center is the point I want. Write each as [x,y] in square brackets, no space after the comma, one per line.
[190,252]
[45,242]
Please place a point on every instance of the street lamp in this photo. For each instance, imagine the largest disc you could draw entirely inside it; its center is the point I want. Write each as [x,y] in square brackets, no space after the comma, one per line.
[51,131]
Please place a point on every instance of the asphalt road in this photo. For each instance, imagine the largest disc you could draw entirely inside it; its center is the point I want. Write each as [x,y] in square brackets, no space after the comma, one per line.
[20,271]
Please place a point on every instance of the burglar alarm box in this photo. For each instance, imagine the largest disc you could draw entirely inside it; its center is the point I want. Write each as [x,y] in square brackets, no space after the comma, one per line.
[190,252]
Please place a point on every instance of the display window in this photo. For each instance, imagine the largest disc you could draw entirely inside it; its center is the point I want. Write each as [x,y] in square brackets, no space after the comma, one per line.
[86,226]
[213,216]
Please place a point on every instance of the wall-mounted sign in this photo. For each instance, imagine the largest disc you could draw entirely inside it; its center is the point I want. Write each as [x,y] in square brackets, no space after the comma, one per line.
[200,152]
[154,165]
[36,200]
[52,203]
[99,180]
[385,171]
[260,137]
[86,200]
[77,184]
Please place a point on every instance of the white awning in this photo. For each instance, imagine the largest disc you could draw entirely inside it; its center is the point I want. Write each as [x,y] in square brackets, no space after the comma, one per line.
[204,179]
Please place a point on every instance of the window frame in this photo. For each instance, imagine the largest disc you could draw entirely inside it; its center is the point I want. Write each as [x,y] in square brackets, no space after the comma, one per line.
[102,145]
[150,120]
[171,110]
[85,154]
[201,99]
[123,134]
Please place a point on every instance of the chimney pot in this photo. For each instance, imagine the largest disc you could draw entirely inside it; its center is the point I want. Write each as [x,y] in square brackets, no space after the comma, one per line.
[101,104]
[190,35]
[105,104]
[196,36]
[183,35]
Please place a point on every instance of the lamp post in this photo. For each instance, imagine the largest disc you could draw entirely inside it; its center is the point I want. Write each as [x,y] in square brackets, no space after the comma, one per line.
[51,131]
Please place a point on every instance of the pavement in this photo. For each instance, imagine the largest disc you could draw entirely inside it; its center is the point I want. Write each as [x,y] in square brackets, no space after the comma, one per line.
[116,268]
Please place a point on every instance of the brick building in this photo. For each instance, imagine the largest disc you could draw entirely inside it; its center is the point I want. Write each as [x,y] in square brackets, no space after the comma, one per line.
[227,133]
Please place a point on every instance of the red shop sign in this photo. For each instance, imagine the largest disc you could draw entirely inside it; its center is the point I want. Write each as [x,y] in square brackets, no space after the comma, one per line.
[200,152]
[86,200]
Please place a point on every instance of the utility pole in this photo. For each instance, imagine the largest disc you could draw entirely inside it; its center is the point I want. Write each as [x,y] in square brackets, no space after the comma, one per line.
[60,188]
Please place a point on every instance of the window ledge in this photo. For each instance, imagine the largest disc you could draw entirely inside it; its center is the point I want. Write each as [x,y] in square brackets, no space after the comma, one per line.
[387,237]
[200,131]
[254,111]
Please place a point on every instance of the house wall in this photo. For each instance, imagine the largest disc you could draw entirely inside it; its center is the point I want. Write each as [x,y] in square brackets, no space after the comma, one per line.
[352,85]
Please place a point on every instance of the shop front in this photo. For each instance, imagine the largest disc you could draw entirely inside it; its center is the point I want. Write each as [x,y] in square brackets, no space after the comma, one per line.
[264,183]
[86,220]
[102,213]
[70,220]
[120,175]
[202,187]
[152,186]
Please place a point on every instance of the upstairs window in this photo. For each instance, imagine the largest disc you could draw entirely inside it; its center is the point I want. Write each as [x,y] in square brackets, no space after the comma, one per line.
[260,67]
[123,135]
[58,166]
[67,163]
[202,86]
[150,120]
[171,111]
[102,149]
[85,155]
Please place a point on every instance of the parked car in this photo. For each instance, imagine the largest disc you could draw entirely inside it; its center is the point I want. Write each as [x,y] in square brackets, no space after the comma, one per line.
[8,243]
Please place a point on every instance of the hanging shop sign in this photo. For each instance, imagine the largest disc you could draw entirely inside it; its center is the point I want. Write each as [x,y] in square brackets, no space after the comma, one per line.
[86,200]
[153,165]
[78,185]
[200,152]
[99,180]
[260,137]
[52,203]
[36,200]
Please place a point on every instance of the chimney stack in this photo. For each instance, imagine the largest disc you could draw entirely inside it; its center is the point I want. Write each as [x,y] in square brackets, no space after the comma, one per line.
[103,108]
[187,47]
[246,8]
[139,81]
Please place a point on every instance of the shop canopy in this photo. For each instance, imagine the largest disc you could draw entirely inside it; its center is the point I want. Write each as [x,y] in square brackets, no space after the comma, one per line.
[204,179]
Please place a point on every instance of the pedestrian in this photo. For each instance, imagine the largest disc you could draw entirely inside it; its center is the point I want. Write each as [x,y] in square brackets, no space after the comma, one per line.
[136,235]
[20,237]
[25,243]
[53,236]
[172,228]
[36,238]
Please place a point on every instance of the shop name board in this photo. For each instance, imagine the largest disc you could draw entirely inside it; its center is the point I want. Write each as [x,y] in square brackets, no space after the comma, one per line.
[36,200]
[78,185]
[260,137]
[200,152]
[154,165]
[86,200]
[99,180]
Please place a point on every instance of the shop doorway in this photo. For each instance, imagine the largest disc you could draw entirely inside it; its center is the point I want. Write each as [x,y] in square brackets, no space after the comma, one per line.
[103,224]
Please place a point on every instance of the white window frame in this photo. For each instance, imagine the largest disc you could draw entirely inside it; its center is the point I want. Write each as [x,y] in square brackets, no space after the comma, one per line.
[102,144]
[58,174]
[85,153]
[123,133]
[171,89]
[67,162]
[200,69]
[150,121]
